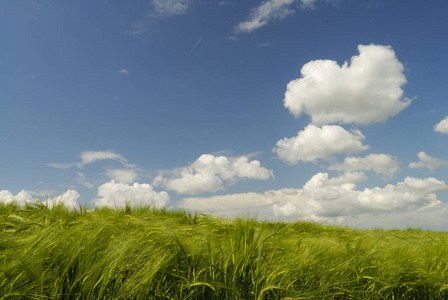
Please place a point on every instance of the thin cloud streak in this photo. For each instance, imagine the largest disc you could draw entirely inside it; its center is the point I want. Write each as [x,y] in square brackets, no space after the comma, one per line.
[197,43]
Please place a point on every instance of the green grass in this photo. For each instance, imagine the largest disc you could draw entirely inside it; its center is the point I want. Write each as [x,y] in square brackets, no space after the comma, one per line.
[143,253]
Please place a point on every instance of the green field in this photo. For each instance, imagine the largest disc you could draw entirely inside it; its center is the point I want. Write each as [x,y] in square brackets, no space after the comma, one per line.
[143,253]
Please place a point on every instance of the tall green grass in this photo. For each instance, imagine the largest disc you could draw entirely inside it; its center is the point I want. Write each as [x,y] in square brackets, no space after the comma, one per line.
[143,253]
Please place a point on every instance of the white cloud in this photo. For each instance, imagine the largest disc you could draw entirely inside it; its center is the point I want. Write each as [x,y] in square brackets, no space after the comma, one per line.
[192,182]
[82,180]
[263,14]
[286,210]
[69,198]
[238,202]
[344,200]
[429,162]
[171,7]
[384,164]
[123,175]
[208,173]
[161,9]
[314,143]
[225,3]
[329,200]
[270,10]
[61,166]
[21,198]
[348,177]
[264,45]
[123,71]
[367,90]
[431,218]
[117,195]
[88,157]
[442,126]
[307,3]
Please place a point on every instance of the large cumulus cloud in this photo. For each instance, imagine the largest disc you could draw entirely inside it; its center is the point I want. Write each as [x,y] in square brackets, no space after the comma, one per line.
[367,90]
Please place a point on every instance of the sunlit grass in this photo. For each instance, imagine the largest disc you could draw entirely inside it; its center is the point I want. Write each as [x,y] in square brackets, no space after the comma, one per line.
[143,253]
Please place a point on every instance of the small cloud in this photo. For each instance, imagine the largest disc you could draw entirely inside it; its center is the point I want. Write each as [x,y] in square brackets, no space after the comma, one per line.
[442,126]
[307,4]
[33,76]
[123,71]
[140,27]
[117,195]
[263,14]
[69,199]
[208,174]
[225,3]
[61,166]
[166,8]
[429,162]
[264,45]
[384,164]
[233,38]
[88,157]
[313,143]
[269,11]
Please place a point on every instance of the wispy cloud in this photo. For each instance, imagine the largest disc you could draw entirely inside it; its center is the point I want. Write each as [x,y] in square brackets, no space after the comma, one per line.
[61,166]
[225,3]
[264,45]
[88,157]
[123,71]
[160,9]
[128,173]
[195,45]
[82,180]
[171,7]
[263,14]
[269,11]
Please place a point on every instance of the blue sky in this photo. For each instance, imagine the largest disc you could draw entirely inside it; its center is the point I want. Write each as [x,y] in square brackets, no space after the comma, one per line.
[324,110]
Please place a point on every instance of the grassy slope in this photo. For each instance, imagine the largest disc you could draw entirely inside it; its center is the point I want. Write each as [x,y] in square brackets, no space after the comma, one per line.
[157,254]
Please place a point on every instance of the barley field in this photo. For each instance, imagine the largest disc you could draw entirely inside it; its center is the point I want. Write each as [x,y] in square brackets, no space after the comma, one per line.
[144,253]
